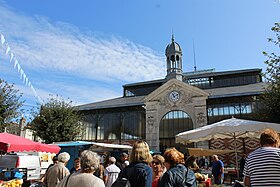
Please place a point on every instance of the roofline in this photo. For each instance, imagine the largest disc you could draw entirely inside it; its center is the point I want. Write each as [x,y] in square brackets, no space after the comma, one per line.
[111,106]
[208,74]
[193,75]
[145,82]
[234,95]
[89,106]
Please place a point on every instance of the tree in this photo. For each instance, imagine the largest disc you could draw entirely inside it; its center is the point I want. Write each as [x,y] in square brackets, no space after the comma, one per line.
[57,121]
[10,104]
[271,99]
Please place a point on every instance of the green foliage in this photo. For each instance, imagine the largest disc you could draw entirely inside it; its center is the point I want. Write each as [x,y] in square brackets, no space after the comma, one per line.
[10,104]
[271,99]
[272,73]
[57,121]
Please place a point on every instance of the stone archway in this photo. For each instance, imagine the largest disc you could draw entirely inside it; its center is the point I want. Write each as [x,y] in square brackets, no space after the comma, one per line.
[192,101]
[172,123]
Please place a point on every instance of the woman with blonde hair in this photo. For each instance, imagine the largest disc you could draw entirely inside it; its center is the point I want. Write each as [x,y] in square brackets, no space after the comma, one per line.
[138,172]
[177,175]
[158,169]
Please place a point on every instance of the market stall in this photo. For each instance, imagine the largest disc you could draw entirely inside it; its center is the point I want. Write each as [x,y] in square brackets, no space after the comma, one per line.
[13,143]
[18,159]
[228,128]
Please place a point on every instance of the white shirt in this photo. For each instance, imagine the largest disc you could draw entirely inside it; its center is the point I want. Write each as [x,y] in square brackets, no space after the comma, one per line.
[112,172]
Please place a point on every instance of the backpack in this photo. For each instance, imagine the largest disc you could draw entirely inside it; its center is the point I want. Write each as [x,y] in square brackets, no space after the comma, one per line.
[131,174]
[121,182]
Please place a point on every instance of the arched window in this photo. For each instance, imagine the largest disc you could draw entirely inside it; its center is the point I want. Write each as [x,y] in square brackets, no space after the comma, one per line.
[171,124]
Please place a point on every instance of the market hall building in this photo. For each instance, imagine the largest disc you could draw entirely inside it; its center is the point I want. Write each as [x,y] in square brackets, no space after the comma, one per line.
[155,111]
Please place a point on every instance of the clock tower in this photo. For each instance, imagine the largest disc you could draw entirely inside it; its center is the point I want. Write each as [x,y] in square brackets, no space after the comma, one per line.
[173,53]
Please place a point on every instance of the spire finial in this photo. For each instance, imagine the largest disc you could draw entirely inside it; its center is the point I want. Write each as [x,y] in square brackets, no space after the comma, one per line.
[194,56]
[172,39]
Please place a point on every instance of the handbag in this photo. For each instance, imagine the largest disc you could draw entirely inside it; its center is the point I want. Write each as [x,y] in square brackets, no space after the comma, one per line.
[121,182]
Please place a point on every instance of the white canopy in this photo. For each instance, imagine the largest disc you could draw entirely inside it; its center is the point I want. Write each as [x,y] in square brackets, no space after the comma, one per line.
[103,145]
[229,128]
[109,145]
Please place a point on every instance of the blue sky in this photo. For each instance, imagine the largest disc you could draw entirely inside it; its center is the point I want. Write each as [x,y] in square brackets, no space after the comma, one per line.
[86,50]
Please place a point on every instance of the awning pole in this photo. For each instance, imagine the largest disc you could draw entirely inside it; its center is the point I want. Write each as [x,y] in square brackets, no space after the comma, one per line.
[236,161]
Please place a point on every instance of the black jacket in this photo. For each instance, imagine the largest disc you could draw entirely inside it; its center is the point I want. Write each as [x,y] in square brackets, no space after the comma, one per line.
[139,174]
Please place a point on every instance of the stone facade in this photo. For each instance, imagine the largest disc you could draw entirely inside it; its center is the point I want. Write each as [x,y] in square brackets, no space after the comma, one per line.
[190,100]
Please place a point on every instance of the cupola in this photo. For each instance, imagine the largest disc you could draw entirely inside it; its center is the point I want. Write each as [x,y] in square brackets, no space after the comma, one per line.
[173,53]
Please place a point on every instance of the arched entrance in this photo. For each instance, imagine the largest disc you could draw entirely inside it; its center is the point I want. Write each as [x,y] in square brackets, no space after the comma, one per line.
[171,124]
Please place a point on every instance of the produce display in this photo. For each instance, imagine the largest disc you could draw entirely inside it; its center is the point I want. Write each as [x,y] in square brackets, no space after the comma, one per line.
[203,180]
[11,183]
[201,177]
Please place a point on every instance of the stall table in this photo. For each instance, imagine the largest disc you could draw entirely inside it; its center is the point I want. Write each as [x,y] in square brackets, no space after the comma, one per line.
[230,174]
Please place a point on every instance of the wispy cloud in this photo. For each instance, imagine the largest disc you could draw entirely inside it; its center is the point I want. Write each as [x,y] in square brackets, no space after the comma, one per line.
[63,47]
[44,48]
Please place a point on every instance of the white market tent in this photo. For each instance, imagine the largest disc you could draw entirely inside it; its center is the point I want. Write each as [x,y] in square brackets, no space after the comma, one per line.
[229,128]
[103,145]
[113,146]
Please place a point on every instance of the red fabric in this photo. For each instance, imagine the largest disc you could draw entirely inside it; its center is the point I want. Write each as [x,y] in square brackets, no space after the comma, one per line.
[11,142]
[208,182]
[155,183]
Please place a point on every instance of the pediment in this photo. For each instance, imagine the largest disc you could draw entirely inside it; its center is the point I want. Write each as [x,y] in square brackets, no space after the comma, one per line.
[186,91]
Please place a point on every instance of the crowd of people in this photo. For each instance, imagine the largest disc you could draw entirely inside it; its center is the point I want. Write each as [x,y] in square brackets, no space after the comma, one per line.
[172,169]
[140,168]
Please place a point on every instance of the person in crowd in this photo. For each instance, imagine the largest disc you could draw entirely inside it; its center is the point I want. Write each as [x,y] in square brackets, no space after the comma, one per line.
[111,172]
[158,169]
[58,171]
[77,165]
[242,164]
[177,174]
[55,161]
[138,172]
[123,161]
[203,162]
[192,164]
[217,170]
[106,156]
[262,166]
[100,171]
[90,161]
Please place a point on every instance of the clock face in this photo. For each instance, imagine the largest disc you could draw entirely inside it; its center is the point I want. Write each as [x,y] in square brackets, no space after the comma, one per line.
[174,96]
